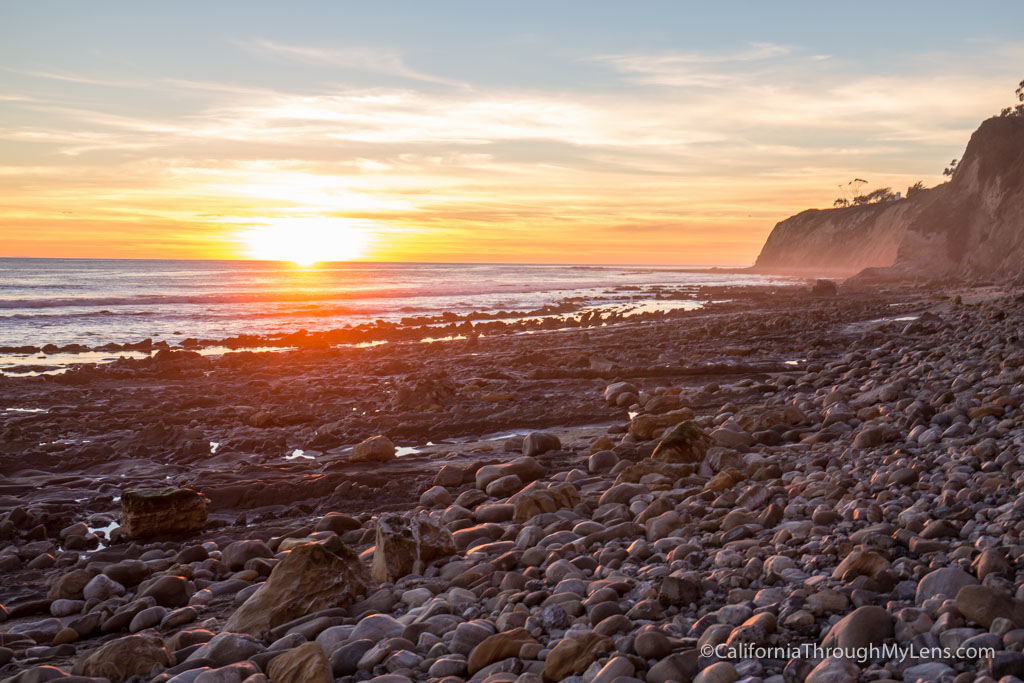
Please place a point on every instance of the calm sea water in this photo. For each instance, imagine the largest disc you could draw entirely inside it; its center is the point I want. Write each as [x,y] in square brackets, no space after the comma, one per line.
[93,302]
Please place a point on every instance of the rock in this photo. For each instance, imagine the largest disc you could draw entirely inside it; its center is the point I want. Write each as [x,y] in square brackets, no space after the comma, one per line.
[503,487]
[449,475]
[142,654]
[227,648]
[983,604]
[305,664]
[308,579]
[524,467]
[647,427]
[869,437]
[989,562]
[946,581]
[345,658]
[101,588]
[498,647]
[573,655]
[833,670]
[377,627]
[375,449]
[167,590]
[160,512]
[535,500]
[436,497]
[69,586]
[602,461]
[236,554]
[536,443]
[719,672]
[864,626]
[732,438]
[686,443]
[405,546]
[613,391]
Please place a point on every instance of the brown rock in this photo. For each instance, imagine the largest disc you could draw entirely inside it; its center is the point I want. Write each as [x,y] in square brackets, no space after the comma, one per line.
[536,499]
[686,443]
[375,449]
[647,427]
[498,647]
[305,664]
[983,604]
[864,626]
[308,579]
[574,655]
[156,512]
[405,546]
[139,655]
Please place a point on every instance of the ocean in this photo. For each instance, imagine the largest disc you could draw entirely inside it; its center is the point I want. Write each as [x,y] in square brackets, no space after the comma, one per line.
[97,301]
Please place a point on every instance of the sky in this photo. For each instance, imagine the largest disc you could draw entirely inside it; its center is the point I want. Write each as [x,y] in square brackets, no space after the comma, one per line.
[538,132]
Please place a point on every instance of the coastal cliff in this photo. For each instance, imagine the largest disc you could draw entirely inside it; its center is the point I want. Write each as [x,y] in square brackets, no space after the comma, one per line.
[970,227]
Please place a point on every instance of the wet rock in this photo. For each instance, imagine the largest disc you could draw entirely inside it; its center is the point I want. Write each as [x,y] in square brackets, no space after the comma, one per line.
[405,546]
[308,579]
[159,512]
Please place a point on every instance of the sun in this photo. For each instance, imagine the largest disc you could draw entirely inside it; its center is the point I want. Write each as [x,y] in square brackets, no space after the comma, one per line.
[306,240]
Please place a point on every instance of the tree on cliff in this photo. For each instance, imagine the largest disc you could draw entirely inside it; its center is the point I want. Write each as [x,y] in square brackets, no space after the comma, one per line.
[916,188]
[1016,110]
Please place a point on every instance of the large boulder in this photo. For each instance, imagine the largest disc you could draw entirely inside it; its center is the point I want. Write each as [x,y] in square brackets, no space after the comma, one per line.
[375,449]
[405,546]
[159,512]
[310,578]
[686,443]
[142,654]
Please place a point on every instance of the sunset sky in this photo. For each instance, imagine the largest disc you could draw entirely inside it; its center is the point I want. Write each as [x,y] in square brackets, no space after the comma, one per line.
[569,132]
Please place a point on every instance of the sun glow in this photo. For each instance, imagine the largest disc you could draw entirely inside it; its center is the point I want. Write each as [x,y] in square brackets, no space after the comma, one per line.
[305,241]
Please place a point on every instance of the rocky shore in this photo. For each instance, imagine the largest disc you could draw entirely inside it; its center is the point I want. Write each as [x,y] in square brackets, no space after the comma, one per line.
[648,500]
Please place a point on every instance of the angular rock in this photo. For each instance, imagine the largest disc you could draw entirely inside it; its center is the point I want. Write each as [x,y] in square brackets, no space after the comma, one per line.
[139,655]
[158,512]
[536,443]
[686,443]
[498,647]
[405,546]
[305,664]
[536,499]
[573,655]
[308,579]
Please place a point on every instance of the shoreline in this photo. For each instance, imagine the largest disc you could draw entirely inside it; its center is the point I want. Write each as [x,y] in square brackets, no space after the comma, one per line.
[460,407]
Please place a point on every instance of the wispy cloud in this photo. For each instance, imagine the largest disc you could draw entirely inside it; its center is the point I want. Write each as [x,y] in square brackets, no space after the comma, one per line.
[372,60]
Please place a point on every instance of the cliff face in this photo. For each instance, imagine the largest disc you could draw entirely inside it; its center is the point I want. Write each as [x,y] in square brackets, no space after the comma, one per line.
[971,227]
